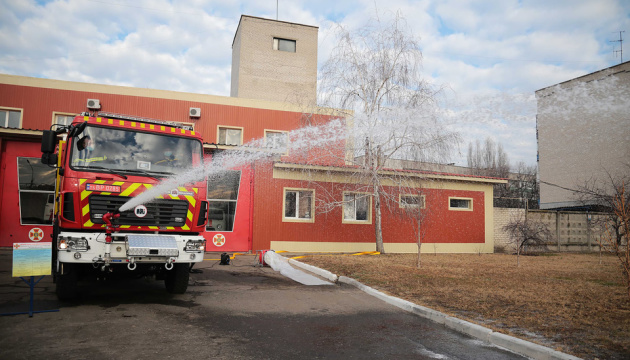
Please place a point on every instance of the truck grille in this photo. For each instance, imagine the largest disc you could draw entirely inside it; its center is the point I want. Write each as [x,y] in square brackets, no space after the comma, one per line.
[160,212]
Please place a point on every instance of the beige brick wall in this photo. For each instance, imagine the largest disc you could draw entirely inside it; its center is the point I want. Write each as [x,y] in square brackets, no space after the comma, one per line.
[583,132]
[260,72]
[502,217]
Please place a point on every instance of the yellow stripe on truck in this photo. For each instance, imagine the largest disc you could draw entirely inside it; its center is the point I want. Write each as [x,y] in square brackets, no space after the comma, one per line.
[84,194]
[130,189]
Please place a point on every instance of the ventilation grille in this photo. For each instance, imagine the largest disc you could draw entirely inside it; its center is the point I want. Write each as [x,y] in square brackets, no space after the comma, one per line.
[161,212]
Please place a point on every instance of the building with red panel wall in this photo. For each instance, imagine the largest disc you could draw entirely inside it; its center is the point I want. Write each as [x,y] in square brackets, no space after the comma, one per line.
[28,186]
[252,213]
[458,212]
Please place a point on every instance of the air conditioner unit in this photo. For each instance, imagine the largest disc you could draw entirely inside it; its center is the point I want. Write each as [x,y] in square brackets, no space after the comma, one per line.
[94,104]
[194,112]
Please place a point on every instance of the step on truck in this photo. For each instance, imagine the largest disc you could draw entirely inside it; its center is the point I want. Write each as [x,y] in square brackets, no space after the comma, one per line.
[103,161]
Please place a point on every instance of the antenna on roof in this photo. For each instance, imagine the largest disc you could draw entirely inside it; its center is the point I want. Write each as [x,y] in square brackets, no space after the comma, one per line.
[620,41]
[276,9]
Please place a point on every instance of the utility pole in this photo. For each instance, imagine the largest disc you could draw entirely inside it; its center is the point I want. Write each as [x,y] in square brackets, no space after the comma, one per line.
[620,41]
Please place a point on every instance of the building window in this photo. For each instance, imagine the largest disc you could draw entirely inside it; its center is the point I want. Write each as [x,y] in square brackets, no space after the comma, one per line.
[10,118]
[277,140]
[62,119]
[411,201]
[465,204]
[298,205]
[222,197]
[230,135]
[284,44]
[357,208]
[36,184]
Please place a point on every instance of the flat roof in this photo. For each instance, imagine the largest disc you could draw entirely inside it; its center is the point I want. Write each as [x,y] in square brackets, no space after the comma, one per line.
[418,173]
[585,75]
[260,18]
[158,94]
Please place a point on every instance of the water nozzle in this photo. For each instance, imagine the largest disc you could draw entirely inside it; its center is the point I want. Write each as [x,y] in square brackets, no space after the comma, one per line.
[107,218]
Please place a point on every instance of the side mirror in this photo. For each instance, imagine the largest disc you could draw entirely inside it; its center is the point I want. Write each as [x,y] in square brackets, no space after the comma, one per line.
[49,141]
[49,159]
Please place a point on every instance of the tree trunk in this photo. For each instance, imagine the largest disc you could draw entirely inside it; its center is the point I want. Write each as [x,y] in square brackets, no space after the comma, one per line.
[377,219]
[419,239]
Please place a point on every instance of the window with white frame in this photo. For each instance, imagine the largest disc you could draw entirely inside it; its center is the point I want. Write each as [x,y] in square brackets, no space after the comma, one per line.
[230,135]
[10,118]
[62,119]
[411,201]
[36,184]
[277,140]
[457,203]
[284,44]
[357,207]
[298,205]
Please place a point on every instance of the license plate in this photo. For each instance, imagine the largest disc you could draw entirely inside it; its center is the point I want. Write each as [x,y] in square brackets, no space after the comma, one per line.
[103,188]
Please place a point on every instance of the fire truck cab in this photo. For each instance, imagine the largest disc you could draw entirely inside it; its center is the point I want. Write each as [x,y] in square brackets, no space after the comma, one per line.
[103,162]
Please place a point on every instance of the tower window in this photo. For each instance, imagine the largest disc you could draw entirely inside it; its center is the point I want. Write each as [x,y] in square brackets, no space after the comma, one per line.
[284,44]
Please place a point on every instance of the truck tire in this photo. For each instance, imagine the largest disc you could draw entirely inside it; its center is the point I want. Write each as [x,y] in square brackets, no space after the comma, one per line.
[68,283]
[176,279]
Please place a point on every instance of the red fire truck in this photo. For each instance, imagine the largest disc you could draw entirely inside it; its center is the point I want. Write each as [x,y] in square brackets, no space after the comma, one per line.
[104,161]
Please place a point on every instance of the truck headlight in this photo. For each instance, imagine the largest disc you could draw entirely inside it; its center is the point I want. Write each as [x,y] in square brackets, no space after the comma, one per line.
[73,244]
[195,245]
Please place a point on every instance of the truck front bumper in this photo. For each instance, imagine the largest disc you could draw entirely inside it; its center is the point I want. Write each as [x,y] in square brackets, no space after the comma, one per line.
[129,248]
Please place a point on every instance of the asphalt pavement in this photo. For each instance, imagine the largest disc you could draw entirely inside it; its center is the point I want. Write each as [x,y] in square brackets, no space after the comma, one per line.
[238,311]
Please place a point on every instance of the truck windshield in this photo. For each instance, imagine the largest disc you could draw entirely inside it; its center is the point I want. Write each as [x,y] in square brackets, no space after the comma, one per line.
[121,150]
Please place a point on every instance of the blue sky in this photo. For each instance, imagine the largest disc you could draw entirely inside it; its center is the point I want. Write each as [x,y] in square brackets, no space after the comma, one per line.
[491,55]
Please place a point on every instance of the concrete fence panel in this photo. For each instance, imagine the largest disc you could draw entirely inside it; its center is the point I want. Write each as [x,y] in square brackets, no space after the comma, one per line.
[572,230]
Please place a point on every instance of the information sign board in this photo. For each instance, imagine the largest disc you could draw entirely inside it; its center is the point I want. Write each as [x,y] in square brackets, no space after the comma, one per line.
[31,259]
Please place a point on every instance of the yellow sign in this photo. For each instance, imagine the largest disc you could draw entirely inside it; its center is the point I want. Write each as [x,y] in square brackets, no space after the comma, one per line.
[31,259]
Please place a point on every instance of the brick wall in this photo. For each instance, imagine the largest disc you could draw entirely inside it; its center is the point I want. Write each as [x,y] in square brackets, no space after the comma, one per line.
[582,137]
[502,217]
[260,72]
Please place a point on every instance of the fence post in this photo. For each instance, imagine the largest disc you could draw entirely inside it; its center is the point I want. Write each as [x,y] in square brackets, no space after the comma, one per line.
[558,229]
[588,231]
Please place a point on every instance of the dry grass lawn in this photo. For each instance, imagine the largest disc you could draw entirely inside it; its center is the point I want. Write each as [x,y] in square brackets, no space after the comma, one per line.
[569,302]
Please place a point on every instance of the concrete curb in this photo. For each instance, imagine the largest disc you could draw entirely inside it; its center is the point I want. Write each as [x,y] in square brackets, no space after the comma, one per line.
[315,270]
[516,345]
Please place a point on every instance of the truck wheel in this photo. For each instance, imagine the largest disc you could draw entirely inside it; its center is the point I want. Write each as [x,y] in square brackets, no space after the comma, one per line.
[176,279]
[67,284]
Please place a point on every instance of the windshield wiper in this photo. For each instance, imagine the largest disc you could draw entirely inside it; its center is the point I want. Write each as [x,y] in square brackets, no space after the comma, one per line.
[165,173]
[149,174]
[102,168]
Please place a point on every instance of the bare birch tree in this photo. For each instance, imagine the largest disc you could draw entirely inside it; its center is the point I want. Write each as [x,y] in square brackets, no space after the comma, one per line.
[414,207]
[376,72]
[527,233]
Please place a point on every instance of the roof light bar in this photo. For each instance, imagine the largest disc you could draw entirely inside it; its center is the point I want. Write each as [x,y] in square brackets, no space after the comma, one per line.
[144,120]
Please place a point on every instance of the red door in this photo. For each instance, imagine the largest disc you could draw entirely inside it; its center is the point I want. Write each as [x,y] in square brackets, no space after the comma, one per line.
[27,194]
[229,213]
